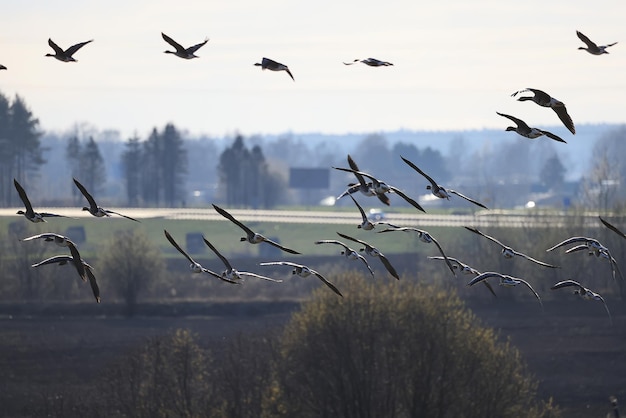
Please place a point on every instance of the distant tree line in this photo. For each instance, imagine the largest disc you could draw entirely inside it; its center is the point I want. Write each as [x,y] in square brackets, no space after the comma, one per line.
[245,179]
[21,152]
[86,165]
[155,169]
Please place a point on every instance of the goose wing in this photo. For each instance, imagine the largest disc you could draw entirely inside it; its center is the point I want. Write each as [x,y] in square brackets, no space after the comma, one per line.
[567,283]
[57,49]
[468,199]
[123,216]
[484,276]
[277,245]
[93,283]
[388,265]
[570,241]
[589,42]
[366,263]
[612,228]
[529,258]
[72,49]
[78,261]
[88,196]
[57,259]
[326,282]
[280,263]
[333,241]
[434,185]
[450,266]
[561,112]
[195,47]
[230,217]
[354,239]
[24,197]
[552,136]
[356,171]
[490,238]
[176,45]
[180,250]
[217,253]
[407,198]
[520,123]
[525,283]
[363,215]
[258,276]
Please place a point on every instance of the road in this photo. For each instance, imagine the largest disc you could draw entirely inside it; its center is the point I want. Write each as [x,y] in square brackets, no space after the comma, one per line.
[483,218]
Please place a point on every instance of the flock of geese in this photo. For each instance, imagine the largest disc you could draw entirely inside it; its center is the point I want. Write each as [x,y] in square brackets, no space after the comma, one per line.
[367,185]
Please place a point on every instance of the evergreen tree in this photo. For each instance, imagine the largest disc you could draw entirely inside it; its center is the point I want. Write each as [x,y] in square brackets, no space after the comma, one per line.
[131,163]
[21,148]
[150,176]
[92,168]
[553,173]
[72,156]
[173,165]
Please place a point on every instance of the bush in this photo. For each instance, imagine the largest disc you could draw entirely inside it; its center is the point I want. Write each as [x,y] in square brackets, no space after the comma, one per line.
[396,350]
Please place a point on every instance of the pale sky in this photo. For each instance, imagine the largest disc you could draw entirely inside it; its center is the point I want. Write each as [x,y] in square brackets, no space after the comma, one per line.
[456,64]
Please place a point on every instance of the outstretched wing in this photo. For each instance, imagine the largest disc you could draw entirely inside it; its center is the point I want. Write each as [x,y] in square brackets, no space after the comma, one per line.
[258,276]
[363,215]
[94,284]
[78,261]
[22,193]
[194,48]
[388,265]
[484,276]
[407,198]
[277,245]
[589,42]
[612,228]
[529,258]
[327,283]
[72,49]
[180,250]
[552,136]
[217,253]
[123,216]
[567,283]
[333,241]
[233,220]
[57,49]
[176,45]
[525,283]
[561,112]
[569,241]
[416,168]
[89,197]
[450,266]
[520,123]
[490,238]
[468,199]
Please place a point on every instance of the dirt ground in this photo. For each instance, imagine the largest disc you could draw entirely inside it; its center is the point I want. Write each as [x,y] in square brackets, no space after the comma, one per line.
[578,358]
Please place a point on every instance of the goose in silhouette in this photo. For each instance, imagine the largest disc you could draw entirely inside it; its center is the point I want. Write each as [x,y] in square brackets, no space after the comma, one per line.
[526,131]
[545,100]
[425,237]
[65,56]
[593,247]
[185,53]
[362,186]
[347,252]
[380,187]
[2,67]
[195,267]
[373,252]
[465,269]
[612,228]
[303,271]
[93,208]
[82,265]
[371,62]
[231,274]
[505,280]
[29,213]
[251,236]
[583,292]
[592,48]
[438,190]
[268,64]
[509,252]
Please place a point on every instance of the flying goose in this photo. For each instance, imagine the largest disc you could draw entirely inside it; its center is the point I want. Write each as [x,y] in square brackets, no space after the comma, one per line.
[2,67]
[251,236]
[185,53]
[373,252]
[613,228]
[509,252]
[439,190]
[65,56]
[195,267]
[505,280]
[423,236]
[583,292]
[465,269]
[362,186]
[592,48]
[93,208]
[29,213]
[372,62]
[348,252]
[82,265]
[366,224]
[268,64]
[545,100]
[526,131]
[230,274]
[380,187]
[303,271]
[594,247]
